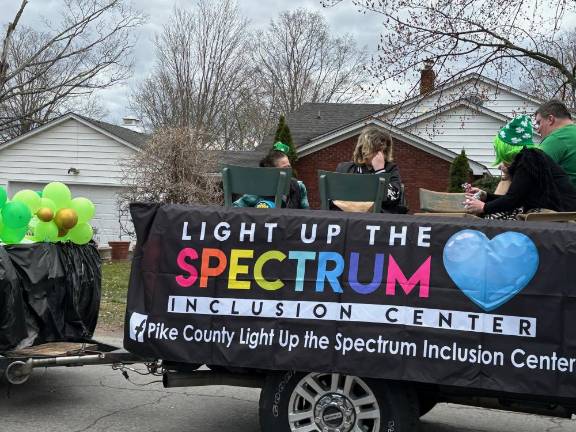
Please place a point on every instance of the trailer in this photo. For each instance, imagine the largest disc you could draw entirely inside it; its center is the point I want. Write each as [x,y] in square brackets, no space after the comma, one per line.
[356,322]
[16,366]
[348,323]
[49,305]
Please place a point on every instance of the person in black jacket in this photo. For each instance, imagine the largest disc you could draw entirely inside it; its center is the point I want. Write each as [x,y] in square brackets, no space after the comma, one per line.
[374,155]
[297,195]
[537,182]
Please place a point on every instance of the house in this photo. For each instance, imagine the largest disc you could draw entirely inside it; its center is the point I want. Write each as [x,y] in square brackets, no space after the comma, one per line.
[429,131]
[83,153]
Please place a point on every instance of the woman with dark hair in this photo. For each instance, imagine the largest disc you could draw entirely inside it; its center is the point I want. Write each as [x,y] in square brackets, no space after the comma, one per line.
[297,196]
[374,155]
[537,182]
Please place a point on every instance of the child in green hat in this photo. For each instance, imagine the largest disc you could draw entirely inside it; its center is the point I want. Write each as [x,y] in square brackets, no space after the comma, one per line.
[537,182]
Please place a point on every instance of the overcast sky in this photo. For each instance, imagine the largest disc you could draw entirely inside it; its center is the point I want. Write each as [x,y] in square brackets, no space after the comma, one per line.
[344,18]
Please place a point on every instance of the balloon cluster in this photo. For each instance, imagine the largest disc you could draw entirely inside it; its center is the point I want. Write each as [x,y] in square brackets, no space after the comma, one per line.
[50,215]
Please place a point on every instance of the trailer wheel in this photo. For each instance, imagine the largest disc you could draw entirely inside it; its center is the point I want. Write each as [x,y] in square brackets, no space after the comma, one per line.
[331,402]
[426,405]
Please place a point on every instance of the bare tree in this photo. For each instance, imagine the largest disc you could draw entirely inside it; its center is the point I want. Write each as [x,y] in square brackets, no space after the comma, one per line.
[548,81]
[45,73]
[174,166]
[200,79]
[298,61]
[500,38]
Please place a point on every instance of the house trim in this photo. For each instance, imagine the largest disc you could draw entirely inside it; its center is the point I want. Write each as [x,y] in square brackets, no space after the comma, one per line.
[453,83]
[60,120]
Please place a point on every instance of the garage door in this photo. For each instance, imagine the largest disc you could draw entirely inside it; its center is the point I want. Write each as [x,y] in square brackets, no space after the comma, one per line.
[106,220]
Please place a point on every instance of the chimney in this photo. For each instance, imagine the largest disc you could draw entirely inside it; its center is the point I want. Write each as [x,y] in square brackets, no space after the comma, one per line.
[132,123]
[427,77]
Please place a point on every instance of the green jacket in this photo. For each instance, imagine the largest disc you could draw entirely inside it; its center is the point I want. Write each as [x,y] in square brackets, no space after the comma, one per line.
[560,145]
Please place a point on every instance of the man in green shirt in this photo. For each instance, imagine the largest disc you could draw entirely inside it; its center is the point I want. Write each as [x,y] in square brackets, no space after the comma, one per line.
[558,131]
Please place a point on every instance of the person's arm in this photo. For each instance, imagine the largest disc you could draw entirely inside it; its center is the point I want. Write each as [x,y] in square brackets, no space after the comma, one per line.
[554,148]
[520,187]
[304,204]
[246,201]
[395,184]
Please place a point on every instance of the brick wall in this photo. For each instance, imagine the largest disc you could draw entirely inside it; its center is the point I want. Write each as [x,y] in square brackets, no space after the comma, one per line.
[418,169]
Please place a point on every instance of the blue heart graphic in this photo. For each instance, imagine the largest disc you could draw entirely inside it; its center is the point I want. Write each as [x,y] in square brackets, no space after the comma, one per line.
[490,272]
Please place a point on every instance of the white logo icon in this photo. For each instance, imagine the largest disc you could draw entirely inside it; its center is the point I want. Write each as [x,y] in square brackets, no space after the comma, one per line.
[137,326]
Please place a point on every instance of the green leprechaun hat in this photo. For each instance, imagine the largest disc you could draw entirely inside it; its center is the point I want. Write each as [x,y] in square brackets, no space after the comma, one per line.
[281,147]
[514,136]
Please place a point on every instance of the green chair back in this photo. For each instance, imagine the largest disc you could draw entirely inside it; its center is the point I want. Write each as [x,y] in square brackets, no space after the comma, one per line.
[353,187]
[255,181]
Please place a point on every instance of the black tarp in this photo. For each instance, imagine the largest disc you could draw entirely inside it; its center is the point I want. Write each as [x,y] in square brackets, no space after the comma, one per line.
[48,292]
[454,301]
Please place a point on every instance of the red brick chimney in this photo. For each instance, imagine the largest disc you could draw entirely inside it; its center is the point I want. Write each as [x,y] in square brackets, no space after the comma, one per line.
[427,77]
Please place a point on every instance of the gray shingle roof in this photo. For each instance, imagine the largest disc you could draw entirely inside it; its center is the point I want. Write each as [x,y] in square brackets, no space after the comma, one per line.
[244,158]
[314,119]
[309,121]
[135,138]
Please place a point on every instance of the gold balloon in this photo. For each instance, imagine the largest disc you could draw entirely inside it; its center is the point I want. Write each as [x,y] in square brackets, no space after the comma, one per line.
[45,214]
[66,218]
[62,232]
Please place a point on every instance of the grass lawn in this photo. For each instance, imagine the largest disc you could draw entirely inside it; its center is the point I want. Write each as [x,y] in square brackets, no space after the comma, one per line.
[114,287]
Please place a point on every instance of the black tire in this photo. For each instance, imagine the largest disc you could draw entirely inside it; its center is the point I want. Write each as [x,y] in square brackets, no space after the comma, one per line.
[397,405]
[426,404]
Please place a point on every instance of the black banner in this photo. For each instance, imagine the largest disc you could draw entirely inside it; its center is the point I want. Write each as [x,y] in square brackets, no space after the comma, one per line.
[453,301]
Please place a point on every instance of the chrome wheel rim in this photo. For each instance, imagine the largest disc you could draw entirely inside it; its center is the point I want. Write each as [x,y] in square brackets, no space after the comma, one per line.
[330,402]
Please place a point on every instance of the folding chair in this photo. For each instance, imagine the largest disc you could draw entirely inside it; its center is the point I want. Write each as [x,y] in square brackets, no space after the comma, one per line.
[441,202]
[353,187]
[265,182]
[549,216]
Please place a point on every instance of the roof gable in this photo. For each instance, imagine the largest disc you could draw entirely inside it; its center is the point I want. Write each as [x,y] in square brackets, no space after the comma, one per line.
[451,106]
[468,83]
[122,135]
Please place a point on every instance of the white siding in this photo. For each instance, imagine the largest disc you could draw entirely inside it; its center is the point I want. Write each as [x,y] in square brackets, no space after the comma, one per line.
[462,128]
[47,156]
[496,99]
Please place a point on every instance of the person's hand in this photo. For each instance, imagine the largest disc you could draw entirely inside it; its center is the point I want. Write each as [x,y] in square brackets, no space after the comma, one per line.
[477,192]
[504,172]
[473,205]
[378,161]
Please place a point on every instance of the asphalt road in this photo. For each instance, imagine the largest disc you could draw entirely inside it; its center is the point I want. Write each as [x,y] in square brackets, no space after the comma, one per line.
[96,398]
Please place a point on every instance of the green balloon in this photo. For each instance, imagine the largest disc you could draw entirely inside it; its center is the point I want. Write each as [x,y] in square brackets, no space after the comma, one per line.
[45,232]
[81,233]
[16,214]
[59,193]
[3,196]
[13,235]
[47,202]
[1,223]
[84,209]
[33,222]
[39,193]
[28,197]
[63,239]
